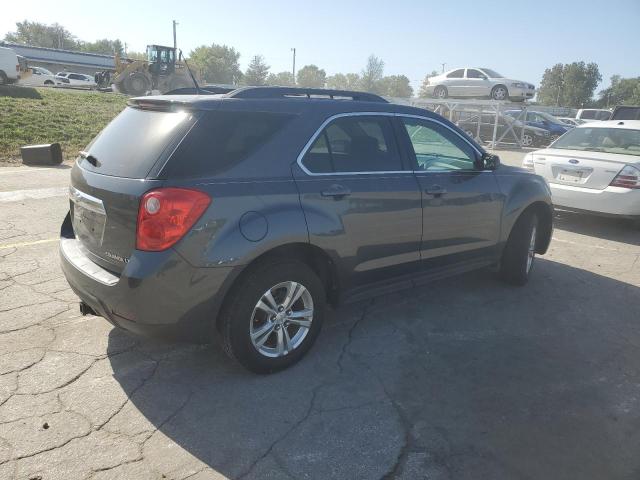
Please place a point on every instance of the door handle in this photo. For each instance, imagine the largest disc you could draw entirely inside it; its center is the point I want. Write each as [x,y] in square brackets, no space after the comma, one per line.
[336,191]
[435,190]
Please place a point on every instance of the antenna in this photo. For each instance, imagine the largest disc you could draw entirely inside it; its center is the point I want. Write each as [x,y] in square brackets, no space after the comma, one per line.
[190,73]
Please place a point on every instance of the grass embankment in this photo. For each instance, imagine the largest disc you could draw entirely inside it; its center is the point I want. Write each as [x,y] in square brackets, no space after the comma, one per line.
[30,116]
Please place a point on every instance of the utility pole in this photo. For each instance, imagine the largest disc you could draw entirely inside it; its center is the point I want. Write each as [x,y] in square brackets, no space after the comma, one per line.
[175,44]
[293,71]
[443,67]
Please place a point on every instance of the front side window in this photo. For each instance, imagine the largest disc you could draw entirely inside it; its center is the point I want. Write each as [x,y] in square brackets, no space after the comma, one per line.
[456,73]
[354,145]
[438,148]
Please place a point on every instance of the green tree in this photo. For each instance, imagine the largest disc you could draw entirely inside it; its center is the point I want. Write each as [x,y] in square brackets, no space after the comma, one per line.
[395,86]
[104,46]
[257,72]
[310,76]
[571,85]
[282,79]
[42,35]
[340,81]
[425,84]
[623,91]
[372,74]
[217,63]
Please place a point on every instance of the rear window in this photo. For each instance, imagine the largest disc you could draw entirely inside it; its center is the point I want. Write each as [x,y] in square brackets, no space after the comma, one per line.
[134,141]
[610,140]
[222,139]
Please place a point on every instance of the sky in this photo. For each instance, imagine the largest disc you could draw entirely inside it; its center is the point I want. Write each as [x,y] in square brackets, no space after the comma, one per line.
[519,39]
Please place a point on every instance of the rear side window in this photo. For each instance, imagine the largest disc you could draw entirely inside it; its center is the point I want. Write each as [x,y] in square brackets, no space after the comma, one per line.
[134,141]
[222,139]
[354,145]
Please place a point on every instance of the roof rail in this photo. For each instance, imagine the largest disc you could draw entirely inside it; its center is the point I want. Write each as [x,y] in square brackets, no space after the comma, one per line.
[293,92]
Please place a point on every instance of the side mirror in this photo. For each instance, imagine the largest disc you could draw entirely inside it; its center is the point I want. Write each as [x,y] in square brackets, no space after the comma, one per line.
[490,161]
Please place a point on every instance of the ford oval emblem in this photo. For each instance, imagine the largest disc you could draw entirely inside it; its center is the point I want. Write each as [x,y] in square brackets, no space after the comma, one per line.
[573,161]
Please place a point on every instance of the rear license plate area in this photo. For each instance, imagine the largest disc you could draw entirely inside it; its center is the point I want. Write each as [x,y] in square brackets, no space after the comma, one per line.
[88,218]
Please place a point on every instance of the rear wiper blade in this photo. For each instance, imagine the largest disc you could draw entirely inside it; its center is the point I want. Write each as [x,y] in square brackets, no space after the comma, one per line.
[89,158]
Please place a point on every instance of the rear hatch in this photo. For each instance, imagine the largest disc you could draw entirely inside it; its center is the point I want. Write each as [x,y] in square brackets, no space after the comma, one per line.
[579,168]
[117,168]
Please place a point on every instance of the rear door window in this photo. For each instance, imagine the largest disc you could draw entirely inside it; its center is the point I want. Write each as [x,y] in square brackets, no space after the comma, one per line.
[222,139]
[358,144]
[456,73]
[134,141]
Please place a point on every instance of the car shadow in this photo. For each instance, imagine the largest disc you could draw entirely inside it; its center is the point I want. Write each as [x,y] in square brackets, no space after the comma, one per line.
[462,378]
[615,229]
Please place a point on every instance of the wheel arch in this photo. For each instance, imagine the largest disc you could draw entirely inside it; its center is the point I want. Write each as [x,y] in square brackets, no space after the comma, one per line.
[544,213]
[313,256]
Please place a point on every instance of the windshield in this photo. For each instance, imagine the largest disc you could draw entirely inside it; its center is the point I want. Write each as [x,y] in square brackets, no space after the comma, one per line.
[550,118]
[610,140]
[491,73]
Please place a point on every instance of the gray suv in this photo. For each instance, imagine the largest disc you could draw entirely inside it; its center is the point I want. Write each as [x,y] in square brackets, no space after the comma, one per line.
[240,216]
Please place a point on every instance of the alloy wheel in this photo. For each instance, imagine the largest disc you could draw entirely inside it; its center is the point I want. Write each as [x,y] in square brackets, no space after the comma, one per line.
[281,319]
[500,93]
[527,140]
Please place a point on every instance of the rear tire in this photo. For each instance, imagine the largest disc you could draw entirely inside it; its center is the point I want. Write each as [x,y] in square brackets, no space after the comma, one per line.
[519,253]
[3,78]
[48,83]
[440,92]
[244,316]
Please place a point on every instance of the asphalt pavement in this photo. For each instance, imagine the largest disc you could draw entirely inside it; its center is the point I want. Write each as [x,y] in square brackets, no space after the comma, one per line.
[465,378]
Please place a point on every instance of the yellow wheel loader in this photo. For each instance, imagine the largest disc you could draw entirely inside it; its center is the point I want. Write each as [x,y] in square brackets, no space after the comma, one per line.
[161,72]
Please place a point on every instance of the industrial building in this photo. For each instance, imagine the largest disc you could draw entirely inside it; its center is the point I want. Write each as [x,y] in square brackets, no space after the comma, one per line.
[57,60]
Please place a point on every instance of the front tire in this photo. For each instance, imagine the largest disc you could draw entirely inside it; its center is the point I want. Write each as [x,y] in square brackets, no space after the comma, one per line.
[500,92]
[273,316]
[519,253]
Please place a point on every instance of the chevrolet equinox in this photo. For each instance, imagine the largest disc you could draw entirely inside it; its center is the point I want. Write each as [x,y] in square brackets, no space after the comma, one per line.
[241,216]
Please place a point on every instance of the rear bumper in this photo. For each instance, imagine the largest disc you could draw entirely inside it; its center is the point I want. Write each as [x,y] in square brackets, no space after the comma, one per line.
[623,202]
[158,293]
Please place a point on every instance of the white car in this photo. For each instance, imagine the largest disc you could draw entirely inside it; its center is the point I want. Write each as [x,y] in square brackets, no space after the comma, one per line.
[478,82]
[76,79]
[38,76]
[594,168]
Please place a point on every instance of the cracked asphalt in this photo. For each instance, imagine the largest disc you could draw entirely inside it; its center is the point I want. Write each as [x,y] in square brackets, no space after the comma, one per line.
[461,379]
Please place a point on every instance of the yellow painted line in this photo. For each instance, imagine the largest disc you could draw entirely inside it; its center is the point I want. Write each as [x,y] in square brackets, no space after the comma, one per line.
[26,244]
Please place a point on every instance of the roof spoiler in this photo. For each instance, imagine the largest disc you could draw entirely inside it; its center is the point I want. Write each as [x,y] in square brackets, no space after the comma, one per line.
[158,104]
[293,92]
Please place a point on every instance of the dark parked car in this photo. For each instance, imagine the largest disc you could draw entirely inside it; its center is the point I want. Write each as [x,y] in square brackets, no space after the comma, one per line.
[241,216]
[543,120]
[508,129]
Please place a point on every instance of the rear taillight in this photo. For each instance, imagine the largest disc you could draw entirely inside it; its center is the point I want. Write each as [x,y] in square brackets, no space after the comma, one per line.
[629,177]
[18,68]
[527,162]
[166,214]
